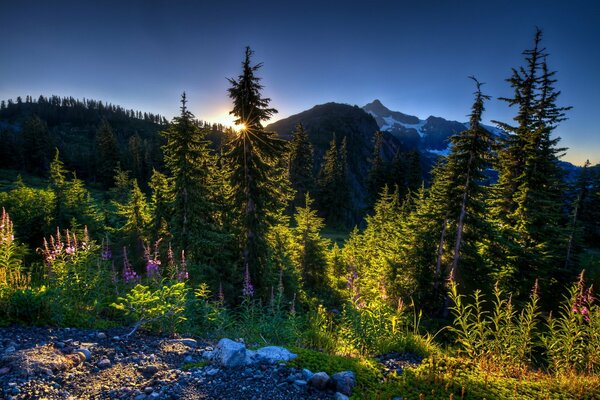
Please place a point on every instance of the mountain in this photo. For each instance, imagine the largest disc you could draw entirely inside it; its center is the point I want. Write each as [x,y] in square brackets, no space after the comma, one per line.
[324,121]
[428,135]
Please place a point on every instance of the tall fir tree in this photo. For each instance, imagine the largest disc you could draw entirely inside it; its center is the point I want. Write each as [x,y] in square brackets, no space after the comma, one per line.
[301,165]
[256,158]
[378,175]
[190,163]
[527,201]
[311,249]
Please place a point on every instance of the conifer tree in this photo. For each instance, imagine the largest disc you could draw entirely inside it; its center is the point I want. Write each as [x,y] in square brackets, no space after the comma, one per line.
[136,216]
[190,163]
[108,154]
[378,172]
[259,184]
[301,164]
[161,203]
[527,199]
[332,185]
[310,249]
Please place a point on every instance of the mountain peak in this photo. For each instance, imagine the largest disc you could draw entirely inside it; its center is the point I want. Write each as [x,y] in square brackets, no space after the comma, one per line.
[378,110]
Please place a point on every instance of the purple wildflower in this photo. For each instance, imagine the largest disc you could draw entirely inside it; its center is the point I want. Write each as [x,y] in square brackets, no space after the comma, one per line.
[69,248]
[248,290]
[6,229]
[129,275]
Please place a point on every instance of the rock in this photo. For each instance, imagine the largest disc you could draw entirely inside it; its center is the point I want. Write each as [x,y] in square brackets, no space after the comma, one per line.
[186,341]
[188,359]
[4,370]
[101,335]
[10,349]
[344,382]
[274,354]
[251,357]
[148,389]
[230,354]
[340,396]
[116,338]
[319,380]
[212,371]
[149,370]
[300,382]
[307,374]
[86,353]
[104,363]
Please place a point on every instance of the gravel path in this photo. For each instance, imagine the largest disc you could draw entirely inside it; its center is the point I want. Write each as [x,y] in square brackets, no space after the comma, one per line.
[44,363]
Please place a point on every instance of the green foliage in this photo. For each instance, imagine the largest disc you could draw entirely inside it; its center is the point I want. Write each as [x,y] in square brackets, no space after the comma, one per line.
[333,196]
[108,154]
[160,310]
[572,339]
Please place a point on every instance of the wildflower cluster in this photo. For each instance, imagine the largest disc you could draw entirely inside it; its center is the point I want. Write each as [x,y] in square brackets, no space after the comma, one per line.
[129,275]
[105,252]
[58,246]
[182,273]
[152,260]
[583,300]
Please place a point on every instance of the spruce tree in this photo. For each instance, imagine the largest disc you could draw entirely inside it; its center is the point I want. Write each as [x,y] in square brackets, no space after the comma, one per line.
[527,199]
[332,185]
[310,249]
[136,216]
[190,163]
[161,203]
[259,185]
[378,171]
[301,164]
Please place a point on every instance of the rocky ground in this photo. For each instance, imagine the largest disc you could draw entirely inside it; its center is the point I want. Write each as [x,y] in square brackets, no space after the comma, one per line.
[43,363]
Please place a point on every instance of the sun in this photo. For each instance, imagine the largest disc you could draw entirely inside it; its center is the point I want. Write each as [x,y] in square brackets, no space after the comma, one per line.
[240,127]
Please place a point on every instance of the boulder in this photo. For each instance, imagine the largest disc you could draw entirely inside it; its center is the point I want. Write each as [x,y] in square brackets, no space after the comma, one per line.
[344,382]
[320,380]
[229,353]
[274,355]
[340,396]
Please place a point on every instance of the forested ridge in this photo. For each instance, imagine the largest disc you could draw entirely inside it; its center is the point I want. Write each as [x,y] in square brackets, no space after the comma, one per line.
[113,216]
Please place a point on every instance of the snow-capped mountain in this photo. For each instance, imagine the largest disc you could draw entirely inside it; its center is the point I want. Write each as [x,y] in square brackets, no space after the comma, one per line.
[428,135]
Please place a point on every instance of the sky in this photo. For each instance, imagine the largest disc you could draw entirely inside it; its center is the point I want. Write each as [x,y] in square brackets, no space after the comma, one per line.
[414,56]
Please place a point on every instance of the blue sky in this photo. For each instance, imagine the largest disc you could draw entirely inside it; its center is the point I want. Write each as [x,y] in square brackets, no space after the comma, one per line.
[414,56]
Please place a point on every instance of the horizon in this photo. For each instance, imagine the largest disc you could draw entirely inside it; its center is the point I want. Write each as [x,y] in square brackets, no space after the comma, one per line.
[414,58]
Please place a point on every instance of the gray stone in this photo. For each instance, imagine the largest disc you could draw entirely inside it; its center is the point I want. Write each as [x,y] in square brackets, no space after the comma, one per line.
[251,357]
[101,335]
[230,354]
[186,341]
[148,389]
[188,359]
[10,349]
[340,396]
[300,383]
[104,363]
[274,355]
[319,380]
[86,352]
[307,374]
[344,382]
[149,370]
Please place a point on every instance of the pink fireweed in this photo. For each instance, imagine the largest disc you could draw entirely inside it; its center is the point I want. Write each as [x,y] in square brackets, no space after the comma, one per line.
[6,229]
[129,275]
[105,253]
[152,260]
[248,289]
[584,299]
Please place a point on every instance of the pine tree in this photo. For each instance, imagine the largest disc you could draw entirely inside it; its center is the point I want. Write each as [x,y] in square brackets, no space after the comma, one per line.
[311,249]
[301,164]
[259,185]
[332,185]
[161,203]
[190,163]
[378,171]
[527,199]
[136,216]
[108,154]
